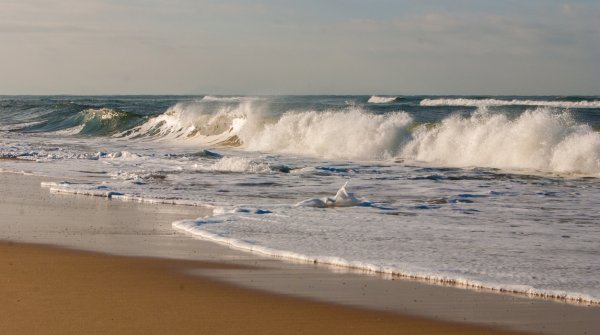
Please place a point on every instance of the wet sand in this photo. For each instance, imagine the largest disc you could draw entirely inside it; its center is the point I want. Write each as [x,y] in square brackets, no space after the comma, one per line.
[52,291]
[191,286]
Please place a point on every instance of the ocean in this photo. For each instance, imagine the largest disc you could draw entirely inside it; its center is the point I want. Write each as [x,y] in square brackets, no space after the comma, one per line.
[498,193]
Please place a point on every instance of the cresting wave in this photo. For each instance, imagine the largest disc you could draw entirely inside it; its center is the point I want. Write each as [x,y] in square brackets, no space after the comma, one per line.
[542,139]
[347,134]
[89,122]
[538,140]
[514,102]
[191,122]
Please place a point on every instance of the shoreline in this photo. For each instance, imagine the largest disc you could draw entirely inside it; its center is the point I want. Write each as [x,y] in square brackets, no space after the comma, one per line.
[68,291]
[341,266]
[148,233]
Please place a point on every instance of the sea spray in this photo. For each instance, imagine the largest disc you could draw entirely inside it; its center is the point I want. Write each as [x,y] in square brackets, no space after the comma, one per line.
[196,123]
[538,140]
[348,134]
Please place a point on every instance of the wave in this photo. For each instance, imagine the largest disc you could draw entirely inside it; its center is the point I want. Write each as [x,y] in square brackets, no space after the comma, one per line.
[89,122]
[514,102]
[538,140]
[192,122]
[21,126]
[375,99]
[347,134]
[196,228]
[220,98]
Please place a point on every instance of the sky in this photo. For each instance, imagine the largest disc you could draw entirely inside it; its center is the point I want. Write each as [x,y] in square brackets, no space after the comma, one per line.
[491,47]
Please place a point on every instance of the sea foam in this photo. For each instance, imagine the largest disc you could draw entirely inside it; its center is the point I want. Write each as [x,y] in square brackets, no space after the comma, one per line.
[514,102]
[375,99]
[251,230]
[540,140]
[347,134]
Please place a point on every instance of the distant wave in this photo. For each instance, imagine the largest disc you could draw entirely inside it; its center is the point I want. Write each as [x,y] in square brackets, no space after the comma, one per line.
[514,102]
[375,99]
[220,98]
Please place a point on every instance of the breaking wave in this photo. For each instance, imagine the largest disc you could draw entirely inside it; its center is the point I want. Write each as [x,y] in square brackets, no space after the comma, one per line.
[375,99]
[221,98]
[347,134]
[514,102]
[539,140]
[192,122]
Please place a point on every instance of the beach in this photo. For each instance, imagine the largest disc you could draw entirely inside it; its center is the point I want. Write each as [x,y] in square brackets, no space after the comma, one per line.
[57,291]
[144,278]
[276,167]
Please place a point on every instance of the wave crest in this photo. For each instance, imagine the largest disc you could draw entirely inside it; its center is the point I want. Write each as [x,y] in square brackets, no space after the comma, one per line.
[461,102]
[190,121]
[375,99]
[89,122]
[347,134]
[539,140]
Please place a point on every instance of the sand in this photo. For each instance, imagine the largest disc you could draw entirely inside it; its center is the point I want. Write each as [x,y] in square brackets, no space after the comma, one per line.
[53,291]
[59,287]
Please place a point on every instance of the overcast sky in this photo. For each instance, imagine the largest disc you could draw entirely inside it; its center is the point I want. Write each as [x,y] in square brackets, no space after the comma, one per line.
[300,47]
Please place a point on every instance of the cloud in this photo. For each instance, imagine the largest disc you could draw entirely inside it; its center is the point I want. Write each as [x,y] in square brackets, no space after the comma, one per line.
[282,46]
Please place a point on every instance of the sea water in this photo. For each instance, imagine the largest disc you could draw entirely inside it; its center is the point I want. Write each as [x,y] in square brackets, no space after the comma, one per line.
[487,192]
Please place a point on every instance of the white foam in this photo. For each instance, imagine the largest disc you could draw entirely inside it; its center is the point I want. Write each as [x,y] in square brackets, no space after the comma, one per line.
[237,164]
[514,102]
[105,191]
[103,113]
[538,140]
[343,198]
[375,99]
[23,125]
[222,98]
[69,131]
[347,134]
[190,122]
[76,188]
[195,228]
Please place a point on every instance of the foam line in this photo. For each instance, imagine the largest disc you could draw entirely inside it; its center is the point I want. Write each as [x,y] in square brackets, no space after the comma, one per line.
[514,102]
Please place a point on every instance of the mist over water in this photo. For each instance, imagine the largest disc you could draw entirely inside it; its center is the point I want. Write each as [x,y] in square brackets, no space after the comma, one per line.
[494,192]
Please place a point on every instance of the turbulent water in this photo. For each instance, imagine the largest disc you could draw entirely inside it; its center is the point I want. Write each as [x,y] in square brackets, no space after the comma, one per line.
[492,192]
